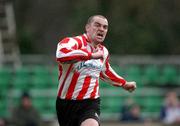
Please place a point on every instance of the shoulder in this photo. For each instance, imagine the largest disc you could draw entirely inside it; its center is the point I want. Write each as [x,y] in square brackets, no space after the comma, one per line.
[78,40]
[66,40]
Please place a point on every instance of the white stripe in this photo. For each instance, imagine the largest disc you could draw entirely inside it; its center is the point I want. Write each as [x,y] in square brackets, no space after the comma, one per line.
[66,85]
[97,92]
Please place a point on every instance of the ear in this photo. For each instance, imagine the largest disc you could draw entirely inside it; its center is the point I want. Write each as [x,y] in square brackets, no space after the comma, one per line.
[87,27]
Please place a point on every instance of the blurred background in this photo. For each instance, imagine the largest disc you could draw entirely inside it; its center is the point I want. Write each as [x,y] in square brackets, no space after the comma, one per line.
[143,41]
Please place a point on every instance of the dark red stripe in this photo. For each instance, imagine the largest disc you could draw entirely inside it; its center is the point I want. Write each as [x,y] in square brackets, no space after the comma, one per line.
[84,88]
[72,85]
[60,71]
[79,42]
[91,48]
[93,94]
[64,50]
[62,85]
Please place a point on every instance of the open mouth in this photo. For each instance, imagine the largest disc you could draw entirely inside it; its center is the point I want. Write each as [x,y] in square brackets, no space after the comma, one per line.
[100,35]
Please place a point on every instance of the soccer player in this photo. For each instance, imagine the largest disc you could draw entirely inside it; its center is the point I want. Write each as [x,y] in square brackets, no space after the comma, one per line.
[82,61]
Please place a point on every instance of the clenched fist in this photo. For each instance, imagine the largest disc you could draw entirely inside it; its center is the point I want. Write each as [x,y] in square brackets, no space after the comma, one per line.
[130,86]
[97,55]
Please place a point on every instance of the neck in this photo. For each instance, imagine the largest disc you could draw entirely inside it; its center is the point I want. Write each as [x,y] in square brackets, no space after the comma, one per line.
[95,44]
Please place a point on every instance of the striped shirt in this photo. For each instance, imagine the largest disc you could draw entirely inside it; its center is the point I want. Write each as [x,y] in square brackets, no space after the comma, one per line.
[78,73]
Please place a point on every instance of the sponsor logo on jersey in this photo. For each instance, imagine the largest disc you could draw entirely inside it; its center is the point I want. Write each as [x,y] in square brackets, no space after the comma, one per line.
[90,65]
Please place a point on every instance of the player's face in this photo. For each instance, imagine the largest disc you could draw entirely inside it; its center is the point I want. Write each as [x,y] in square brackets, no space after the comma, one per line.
[97,29]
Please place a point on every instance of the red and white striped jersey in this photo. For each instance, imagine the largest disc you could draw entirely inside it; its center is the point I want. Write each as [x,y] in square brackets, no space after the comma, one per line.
[78,74]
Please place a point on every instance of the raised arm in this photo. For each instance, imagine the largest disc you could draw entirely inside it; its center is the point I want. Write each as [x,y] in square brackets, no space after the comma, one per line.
[69,50]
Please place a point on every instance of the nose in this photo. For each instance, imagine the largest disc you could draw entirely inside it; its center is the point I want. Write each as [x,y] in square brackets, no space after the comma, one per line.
[101,28]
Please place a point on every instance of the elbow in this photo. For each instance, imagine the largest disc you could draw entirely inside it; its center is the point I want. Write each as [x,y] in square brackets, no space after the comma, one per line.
[61,60]
[58,59]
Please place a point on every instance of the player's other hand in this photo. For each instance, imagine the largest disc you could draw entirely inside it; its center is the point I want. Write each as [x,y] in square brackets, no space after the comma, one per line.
[97,55]
[130,86]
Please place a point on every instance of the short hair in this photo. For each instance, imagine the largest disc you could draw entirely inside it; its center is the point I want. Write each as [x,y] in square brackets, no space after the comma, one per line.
[90,19]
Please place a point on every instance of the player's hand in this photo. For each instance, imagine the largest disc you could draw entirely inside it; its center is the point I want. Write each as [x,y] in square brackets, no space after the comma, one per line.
[130,86]
[97,55]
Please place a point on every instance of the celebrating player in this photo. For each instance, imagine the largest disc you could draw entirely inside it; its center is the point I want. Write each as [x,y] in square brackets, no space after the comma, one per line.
[82,61]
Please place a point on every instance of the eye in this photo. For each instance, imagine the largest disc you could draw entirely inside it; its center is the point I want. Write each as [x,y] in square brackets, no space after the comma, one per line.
[105,27]
[97,25]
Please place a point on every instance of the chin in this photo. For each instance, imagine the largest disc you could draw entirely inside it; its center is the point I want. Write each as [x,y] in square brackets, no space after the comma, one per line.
[99,42]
